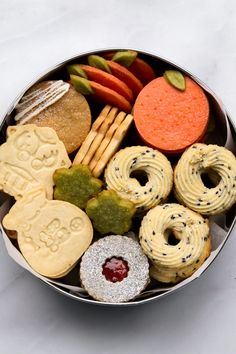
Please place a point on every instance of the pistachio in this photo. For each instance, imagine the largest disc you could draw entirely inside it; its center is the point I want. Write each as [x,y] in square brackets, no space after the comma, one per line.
[81,85]
[125,58]
[75,69]
[99,62]
[175,78]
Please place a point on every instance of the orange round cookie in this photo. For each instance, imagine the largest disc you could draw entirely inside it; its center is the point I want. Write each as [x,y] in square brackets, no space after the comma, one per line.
[57,105]
[169,119]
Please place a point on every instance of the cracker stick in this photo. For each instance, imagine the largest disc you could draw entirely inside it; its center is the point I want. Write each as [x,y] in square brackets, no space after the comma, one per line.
[113,145]
[100,135]
[91,135]
[101,148]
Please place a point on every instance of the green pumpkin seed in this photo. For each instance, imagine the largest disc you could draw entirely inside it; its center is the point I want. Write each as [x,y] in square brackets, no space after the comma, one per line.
[75,69]
[99,62]
[125,58]
[81,85]
[175,78]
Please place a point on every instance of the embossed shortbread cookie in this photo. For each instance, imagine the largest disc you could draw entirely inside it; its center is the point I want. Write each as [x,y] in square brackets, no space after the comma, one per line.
[216,162]
[152,164]
[176,240]
[29,158]
[52,235]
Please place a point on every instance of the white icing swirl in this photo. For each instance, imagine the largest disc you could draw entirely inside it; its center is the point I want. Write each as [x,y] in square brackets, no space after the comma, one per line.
[35,102]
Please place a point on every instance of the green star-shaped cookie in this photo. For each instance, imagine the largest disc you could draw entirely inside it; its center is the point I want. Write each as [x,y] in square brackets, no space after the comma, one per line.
[110,213]
[76,185]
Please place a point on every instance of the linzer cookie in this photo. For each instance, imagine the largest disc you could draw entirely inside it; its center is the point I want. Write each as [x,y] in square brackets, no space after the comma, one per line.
[52,235]
[114,269]
[104,139]
[176,240]
[132,165]
[190,189]
[168,118]
[29,158]
[57,105]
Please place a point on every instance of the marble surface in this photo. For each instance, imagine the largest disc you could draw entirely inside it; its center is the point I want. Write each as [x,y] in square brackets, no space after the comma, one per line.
[199,36]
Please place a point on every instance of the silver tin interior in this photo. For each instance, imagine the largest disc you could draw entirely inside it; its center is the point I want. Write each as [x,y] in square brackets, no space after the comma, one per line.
[162,64]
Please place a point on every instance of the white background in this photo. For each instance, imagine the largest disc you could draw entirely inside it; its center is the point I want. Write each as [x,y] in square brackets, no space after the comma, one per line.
[198,35]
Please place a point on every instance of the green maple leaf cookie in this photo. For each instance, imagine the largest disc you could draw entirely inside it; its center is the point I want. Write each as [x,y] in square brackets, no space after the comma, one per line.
[76,185]
[110,213]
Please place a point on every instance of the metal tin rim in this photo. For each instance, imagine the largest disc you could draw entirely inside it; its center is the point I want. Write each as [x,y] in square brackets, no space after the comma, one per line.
[155,56]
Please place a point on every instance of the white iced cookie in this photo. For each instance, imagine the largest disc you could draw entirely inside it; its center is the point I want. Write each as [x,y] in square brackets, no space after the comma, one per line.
[52,235]
[215,161]
[176,240]
[133,163]
[29,158]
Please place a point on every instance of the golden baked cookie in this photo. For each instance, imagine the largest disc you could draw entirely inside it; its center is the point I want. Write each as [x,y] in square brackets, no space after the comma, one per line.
[104,139]
[29,158]
[57,105]
[130,165]
[52,235]
[176,240]
[220,164]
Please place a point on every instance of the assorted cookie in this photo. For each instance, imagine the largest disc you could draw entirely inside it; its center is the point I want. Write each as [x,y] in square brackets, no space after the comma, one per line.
[29,158]
[104,139]
[76,185]
[110,213]
[52,235]
[57,105]
[190,189]
[148,162]
[114,269]
[130,59]
[132,196]
[171,119]
[176,240]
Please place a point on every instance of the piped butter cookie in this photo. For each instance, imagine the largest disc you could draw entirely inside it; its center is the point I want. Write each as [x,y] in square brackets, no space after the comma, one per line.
[52,235]
[176,240]
[29,158]
[114,269]
[215,161]
[57,105]
[141,174]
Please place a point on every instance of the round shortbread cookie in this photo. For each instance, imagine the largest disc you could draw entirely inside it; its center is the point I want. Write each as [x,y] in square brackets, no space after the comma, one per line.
[117,289]
[57,105]
[52,235]
[152,163]
[190,190]
[174,260]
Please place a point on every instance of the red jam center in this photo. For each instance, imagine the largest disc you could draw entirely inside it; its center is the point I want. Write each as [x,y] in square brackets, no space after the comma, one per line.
[115,269]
